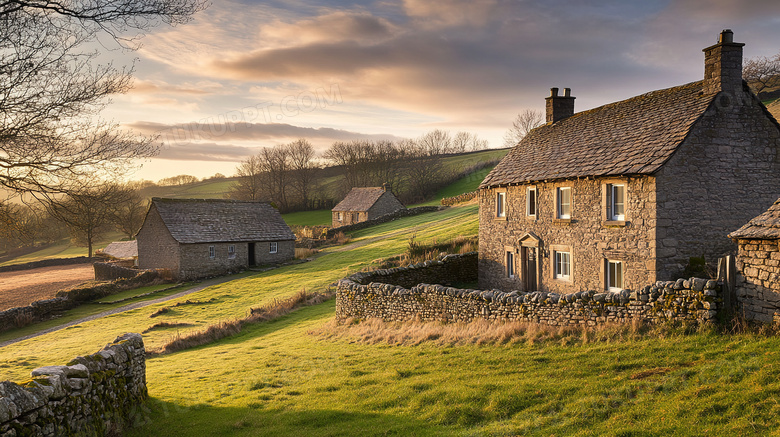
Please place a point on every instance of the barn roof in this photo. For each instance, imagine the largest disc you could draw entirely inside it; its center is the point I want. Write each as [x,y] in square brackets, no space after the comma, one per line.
[764,227]
[634,136]
[221,220]
[122,249]
[360,199]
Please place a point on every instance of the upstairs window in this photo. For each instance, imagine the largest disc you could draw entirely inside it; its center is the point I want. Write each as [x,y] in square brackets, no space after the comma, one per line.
[616,202]
[231,251]
[501,204]
[530,202]
[614,275]
[564,202]
[274,247]
[563,265]
[212,252]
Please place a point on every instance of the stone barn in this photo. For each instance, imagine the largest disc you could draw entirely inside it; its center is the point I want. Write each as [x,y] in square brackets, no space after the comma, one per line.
[758,266]
[620,196]
[363,204]
[206,237]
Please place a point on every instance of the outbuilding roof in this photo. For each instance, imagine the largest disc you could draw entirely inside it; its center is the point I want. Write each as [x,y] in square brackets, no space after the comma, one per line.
[360,199]
[221,220]
[766,226]
[634,136]
[122,249]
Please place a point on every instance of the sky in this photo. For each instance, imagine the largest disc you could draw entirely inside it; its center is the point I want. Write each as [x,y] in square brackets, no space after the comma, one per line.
[249,74]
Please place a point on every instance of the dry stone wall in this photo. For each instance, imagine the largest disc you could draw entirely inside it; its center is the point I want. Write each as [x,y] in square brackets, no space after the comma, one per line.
[758,281]
[100,394]
[691,300]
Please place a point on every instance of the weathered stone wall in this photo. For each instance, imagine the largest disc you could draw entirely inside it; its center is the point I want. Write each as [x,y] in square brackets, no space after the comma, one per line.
[587,236]
[196,262]
[383,219]
[386,204]
[725,173]
[692,300]
[285,252]
[157,249]
[109,271]
[100,394]
[758,280]
[448,270]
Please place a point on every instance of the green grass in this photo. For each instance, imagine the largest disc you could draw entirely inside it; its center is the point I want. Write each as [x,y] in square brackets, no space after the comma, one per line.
[282,379]
[64,249]
[309,218]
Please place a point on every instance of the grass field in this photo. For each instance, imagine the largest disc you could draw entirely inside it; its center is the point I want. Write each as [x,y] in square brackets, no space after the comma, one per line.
[63,249]
[289,377]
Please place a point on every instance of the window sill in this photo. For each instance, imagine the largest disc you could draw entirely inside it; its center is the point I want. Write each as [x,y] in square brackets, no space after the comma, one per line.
[614,223]
[530,218]
[560,221]
[499,219]
[559,279]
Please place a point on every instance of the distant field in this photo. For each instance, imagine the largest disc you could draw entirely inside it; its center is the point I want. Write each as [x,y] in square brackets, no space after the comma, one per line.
[23,287]
[308,218]
[64,249]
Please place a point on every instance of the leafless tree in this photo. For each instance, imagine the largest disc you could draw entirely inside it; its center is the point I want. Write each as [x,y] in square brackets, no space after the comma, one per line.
[249,185]
[52,89]
[303,168]
[182,179]
[128,210]
[468,142]
[522,124]
[435,142]
[424,170]
[87,212]
[762,72]
[275,170]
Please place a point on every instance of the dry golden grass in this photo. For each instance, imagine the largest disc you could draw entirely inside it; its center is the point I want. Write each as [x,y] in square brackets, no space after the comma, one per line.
[483,332]
[342,238]
[302,252]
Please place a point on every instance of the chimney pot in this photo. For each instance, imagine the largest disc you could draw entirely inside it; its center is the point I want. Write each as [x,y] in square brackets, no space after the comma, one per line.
[567,92]
[559,107]
[726,36]
[553,92]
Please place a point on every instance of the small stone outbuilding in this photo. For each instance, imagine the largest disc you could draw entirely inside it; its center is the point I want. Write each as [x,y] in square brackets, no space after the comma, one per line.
[122,250]
[623,195]
[365,203]
[206,237]
[758,266]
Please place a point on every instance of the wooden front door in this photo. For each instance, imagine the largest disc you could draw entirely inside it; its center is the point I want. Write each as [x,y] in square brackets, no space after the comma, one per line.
[529,260]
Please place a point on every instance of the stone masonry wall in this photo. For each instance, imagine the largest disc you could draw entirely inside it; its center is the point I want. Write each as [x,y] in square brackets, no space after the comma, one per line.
[587,236]
[100,394]
[692,300]
[726,172]
[157,249]
[386,204]
[758,280]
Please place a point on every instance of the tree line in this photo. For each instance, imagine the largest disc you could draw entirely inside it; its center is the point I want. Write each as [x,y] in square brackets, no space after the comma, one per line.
[293,177]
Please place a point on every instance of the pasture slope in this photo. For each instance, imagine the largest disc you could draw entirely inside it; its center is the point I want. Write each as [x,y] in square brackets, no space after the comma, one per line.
[290,377]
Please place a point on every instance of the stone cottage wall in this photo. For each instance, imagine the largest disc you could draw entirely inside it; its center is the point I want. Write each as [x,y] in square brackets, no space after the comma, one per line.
[725,173]
[99,394]
[285,251]
[157,249]
[386,204]
[195,261]
[758,280]
[589,238]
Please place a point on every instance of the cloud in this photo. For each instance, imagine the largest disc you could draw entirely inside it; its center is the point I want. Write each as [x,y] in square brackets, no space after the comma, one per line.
[190,151]
[360,27]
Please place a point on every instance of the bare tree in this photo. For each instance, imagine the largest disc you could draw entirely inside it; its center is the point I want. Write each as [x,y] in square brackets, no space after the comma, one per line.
[275,169]
[468,142]
[522,124]
[249,185]
[87,212]
[128,209]
[435,142]
[303,169]
[182,179]
[762,72]
[424,170]
[51,88]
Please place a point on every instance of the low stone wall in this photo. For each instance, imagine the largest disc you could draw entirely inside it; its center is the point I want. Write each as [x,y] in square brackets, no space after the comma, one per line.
[692,300]
[100,394]
[71,298]
[382,219]
[460,198]
[447,270]
[47,263]
[110,271]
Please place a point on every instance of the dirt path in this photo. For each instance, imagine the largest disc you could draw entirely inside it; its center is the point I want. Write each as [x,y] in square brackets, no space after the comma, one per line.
[128,307]
[23,287]
[199,287]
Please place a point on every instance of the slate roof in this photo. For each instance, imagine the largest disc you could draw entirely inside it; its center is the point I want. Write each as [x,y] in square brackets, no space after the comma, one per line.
[360,199]
[764,227]
[634,136]
[122,249]
[221,220]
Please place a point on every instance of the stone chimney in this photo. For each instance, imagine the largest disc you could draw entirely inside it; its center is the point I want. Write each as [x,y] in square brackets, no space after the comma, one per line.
[723,65]
[559,107]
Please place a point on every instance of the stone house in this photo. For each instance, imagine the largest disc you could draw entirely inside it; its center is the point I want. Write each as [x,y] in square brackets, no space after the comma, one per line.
[363,204]
[758,266]
[623,195]
[206,237]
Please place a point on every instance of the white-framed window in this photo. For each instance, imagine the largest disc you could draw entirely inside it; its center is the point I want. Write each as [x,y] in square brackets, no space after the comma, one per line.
[616,202]
[562,265]
[530,202]
[274,247]
[501,204]
[212,252]
[510,264]
[614,275]
[231,251]
[563,200]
